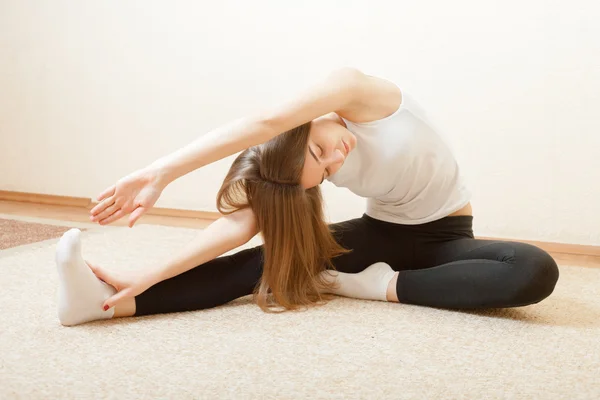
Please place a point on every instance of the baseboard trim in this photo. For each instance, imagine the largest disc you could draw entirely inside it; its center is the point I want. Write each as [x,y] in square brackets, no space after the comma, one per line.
[88,203]
[551,247]
[44,199]
[554,247]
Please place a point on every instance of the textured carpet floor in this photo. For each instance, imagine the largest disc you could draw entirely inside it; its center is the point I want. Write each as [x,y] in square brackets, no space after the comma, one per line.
[15,233]
[348,349]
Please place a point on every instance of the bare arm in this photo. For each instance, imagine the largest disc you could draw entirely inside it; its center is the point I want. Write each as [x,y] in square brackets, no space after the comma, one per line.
[344,91]
[224,234]
[347,92]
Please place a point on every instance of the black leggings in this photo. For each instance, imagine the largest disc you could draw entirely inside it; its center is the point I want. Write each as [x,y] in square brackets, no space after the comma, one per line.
[440,264]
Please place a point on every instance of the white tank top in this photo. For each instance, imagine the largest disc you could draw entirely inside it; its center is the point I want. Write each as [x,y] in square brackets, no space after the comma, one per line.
[403,167]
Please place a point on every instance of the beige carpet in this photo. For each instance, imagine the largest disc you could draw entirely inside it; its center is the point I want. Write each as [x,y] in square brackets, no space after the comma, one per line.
[349,349]
[15,233]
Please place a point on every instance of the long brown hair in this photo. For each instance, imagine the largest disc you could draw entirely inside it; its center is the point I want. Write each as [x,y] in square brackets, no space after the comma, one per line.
[298,243]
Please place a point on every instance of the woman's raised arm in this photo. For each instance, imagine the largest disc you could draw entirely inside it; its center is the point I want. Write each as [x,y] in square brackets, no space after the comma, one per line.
[342,91]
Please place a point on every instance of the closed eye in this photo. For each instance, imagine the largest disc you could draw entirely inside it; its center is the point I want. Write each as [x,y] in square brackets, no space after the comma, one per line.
[321,155]
[321,149]
[326,170]
[312,153]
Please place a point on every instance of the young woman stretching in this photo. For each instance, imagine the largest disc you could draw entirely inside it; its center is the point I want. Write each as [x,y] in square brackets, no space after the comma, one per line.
[414,244]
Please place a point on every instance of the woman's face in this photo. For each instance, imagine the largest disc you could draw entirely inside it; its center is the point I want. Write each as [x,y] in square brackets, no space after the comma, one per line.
[329,144]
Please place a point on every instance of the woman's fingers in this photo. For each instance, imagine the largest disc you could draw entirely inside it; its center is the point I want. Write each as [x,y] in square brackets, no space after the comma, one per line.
[99,272]
[112,218]
[104,276]
[108,192]
[106,213]
[103,205]
[115,299]
[135,215]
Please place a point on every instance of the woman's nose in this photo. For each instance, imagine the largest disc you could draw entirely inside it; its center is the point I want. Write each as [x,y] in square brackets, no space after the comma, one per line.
[336,157]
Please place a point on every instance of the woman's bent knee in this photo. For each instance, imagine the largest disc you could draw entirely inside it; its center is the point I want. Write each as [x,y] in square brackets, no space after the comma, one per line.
[539,274]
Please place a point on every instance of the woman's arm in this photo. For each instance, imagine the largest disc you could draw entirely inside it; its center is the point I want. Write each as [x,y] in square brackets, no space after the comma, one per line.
[343,91]
[224,234]
[348,92]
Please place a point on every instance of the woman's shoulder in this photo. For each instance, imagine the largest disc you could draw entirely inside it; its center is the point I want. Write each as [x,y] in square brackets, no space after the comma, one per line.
[377,99]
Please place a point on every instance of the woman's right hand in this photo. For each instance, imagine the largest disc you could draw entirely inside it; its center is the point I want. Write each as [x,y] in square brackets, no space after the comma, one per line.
[127,283]
[134,194]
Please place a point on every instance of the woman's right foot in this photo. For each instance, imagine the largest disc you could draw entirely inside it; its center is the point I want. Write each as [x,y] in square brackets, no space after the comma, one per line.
[370,284]
[80,293]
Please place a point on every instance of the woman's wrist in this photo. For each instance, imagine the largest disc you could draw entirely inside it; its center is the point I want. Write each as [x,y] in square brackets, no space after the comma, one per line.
[160,174]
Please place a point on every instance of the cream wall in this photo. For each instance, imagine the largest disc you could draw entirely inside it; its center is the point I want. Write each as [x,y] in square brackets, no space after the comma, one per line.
[90,91]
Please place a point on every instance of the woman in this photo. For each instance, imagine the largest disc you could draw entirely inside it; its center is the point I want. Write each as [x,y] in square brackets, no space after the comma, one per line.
[414,244]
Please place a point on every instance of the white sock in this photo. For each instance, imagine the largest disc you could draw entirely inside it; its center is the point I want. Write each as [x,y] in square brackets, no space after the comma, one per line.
[370,284]
[80,293]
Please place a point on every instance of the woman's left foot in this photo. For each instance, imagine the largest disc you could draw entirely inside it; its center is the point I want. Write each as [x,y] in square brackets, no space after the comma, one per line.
[80,293]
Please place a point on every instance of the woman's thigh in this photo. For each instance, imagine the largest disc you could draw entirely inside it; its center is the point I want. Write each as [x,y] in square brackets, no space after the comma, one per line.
[371,242]
[437,253]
